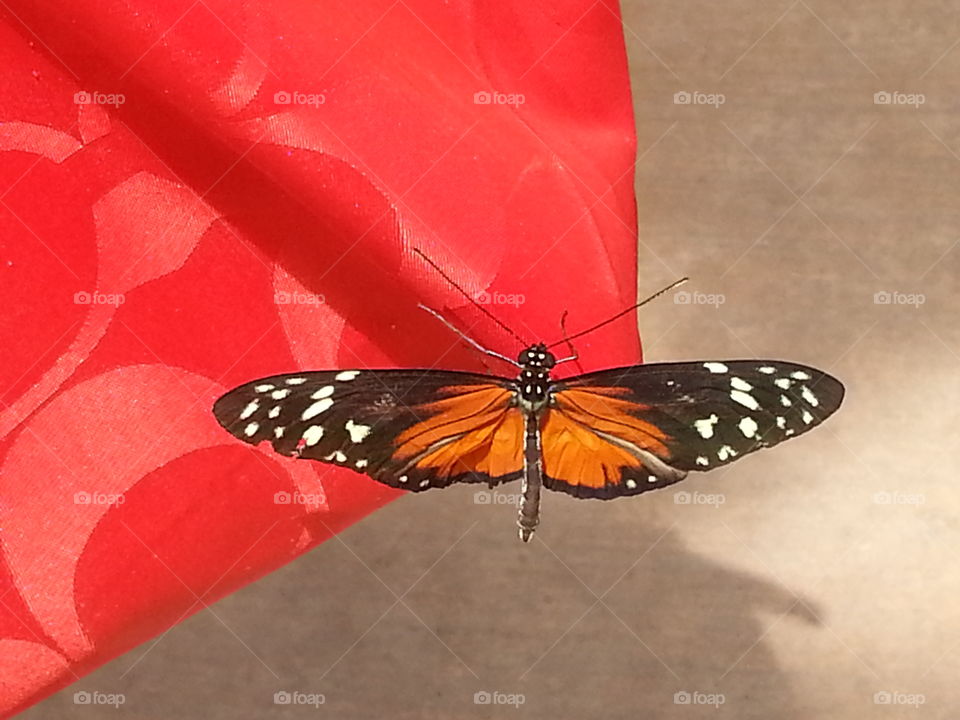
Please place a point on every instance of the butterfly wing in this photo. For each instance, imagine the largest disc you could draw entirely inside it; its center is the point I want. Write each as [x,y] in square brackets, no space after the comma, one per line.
[411,429]
[628,430]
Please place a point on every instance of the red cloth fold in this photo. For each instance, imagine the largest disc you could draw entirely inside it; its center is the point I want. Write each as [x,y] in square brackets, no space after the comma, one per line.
[194,195]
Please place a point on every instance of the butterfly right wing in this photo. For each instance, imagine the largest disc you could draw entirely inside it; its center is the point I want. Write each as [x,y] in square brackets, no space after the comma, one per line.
[628,430]
[410,429]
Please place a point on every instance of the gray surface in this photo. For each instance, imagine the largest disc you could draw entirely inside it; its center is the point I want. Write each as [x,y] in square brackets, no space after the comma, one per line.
[801,596]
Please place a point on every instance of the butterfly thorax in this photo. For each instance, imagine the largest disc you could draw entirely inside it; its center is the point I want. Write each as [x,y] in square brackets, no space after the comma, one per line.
[534,379]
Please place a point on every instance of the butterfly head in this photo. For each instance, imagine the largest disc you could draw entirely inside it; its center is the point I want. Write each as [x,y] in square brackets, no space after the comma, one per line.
[534,381]
[537,356]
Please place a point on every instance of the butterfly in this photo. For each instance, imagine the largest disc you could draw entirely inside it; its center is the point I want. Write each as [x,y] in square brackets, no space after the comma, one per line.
[603,435]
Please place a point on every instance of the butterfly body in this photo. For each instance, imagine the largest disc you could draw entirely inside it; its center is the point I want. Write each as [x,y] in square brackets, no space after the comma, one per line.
[601,435]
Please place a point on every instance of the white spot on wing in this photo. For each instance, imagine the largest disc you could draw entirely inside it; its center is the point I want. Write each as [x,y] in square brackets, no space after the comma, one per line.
[781,422]
[402,478]
[318,407]
[250,409]
[808,395]
[312,435]
[748,426]
[361,464]
[295,381]
[807,417]
[278,432]
[264,388]
[357,432]
[325,391]
[783,383]
[651,478]
[740,384]
[716,367]
[726,452]
[280,394]
[251,429]
[701,460]
[631,483]
[346,375]
[424,483]
[767,370]
[785,401]
[705,426]
[274,412]
[745,399]
[800,375]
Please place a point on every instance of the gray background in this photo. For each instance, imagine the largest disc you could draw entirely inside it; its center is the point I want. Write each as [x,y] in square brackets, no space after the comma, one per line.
[796,591]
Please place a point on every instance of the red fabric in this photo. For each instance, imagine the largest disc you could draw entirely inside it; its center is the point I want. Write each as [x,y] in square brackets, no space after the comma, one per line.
[157,252]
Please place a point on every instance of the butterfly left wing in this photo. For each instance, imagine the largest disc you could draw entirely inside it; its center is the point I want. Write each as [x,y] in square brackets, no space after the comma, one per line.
[629,430]
[410,429]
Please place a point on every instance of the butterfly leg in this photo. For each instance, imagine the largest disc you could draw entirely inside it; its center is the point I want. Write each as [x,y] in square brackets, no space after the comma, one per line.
[529,516]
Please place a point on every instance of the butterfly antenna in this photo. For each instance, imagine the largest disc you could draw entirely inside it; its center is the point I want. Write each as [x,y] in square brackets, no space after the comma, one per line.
[463,292]
[620,314]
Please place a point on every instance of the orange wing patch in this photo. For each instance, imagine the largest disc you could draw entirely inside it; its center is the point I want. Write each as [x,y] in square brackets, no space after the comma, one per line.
[601,410]
[573,454]
[495,449]
[473,430]
[580,448]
